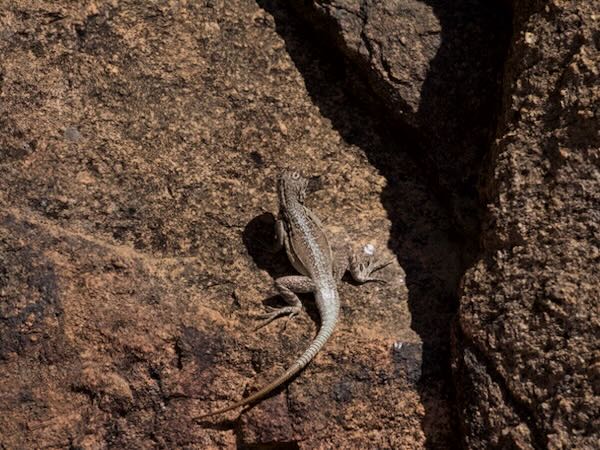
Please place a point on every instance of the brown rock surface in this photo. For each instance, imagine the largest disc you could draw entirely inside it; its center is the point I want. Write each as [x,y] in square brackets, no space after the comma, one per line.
[528,359]
[139,143]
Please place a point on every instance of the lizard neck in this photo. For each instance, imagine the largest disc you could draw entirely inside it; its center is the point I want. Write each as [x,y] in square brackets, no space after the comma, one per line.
[292,206]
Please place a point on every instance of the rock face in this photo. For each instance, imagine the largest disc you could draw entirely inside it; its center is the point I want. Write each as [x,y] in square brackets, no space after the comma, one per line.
[139,145]
[527,360]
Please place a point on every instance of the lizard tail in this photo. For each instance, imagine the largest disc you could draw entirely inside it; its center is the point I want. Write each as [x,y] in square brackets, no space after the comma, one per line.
[324,334]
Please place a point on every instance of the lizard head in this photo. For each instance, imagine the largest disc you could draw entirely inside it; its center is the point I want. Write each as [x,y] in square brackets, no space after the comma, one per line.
[291,186]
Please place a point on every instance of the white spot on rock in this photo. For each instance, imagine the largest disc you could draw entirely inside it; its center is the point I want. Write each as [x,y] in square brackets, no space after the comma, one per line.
[369,249]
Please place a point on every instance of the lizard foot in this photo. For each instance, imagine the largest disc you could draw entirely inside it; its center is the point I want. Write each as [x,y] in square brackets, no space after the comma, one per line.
[274,313]
[362,271]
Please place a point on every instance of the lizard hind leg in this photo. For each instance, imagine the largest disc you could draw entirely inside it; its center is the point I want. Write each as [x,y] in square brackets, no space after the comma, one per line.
[288,287]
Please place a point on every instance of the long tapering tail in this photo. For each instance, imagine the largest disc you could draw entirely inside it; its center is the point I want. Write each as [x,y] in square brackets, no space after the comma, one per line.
[320,339]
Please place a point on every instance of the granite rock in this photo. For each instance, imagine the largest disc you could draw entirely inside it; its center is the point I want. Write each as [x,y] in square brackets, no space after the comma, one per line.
[527,343]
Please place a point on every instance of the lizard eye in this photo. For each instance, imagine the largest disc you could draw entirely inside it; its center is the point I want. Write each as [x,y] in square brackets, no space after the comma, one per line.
[295,176]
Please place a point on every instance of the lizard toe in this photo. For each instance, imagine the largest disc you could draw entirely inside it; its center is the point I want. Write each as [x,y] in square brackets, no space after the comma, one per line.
[290,311]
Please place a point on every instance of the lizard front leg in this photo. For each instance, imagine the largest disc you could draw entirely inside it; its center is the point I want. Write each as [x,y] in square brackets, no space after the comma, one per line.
[288,287]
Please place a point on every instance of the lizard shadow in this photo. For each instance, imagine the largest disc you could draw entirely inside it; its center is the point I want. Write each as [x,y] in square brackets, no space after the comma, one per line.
[432,249]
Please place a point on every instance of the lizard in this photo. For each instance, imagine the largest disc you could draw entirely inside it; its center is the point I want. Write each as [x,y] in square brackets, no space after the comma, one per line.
[301,233]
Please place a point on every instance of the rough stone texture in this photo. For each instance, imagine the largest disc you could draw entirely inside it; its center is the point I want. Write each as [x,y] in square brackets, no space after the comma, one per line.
[139,142]
[393,42]
[433,67]
[528,359]
[138,148]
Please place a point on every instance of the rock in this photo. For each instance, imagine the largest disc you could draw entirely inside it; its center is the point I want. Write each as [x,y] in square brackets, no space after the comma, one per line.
[393,43]
[139,149]
[527,342]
